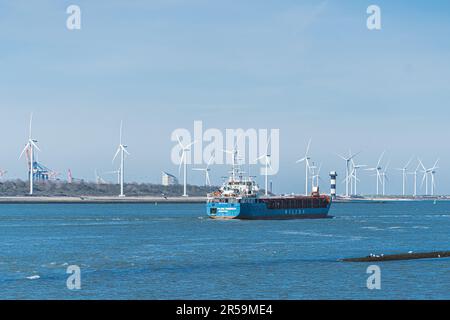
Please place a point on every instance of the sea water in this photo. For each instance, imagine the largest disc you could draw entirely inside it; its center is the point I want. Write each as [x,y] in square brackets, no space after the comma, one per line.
[174,251]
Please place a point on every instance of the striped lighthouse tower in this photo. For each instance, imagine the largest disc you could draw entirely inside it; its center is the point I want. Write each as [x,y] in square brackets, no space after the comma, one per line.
[333,176]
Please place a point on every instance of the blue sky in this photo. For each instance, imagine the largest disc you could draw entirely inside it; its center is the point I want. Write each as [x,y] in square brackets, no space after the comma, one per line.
[309,68]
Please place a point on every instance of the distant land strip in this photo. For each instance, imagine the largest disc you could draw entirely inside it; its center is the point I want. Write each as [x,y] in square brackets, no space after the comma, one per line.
[105,200]
[81,190]
[401,256]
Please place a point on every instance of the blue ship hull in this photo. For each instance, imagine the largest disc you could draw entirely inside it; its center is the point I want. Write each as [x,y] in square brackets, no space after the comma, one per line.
[260,211]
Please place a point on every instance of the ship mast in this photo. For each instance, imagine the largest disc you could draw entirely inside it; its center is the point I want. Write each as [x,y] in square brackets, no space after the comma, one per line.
[235,171]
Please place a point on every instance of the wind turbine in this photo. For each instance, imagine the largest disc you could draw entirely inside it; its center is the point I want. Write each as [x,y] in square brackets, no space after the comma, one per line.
[414,173]
[266,158]
[316,177]
[206,170]
[432,172]
[98,178]
[3,173]
[403,170]
[356,167]
[184,149]
[433,181]
[117,172]
[122,149]
[378,168]
[384,178]
[425,177]
[312,172]
[347,169]
[306,159]
[29,149]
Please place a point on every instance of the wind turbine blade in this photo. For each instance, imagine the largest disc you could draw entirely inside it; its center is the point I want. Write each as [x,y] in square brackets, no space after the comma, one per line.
[300,160]
[261,157]
[354,155]
[342,157]
[379,177]
[209,161]
[269,163]
[387,165]
[435,164]
[307,148]
[237,141]
[124,150]
[181,163]
[407,164]
[423,167]
[190,144]
[23,151]
[267,145]
[179,142]
[417,169]
[117,153]
[381,157]
[111,172]
[423,179]
[35,145]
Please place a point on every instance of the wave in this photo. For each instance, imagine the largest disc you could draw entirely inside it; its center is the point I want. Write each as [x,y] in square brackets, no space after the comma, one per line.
[373,228]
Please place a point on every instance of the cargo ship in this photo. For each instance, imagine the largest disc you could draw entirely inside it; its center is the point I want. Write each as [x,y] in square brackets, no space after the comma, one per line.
[240,198]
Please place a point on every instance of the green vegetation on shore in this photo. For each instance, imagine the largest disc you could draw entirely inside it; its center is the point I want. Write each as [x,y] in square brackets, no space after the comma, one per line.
[14,188]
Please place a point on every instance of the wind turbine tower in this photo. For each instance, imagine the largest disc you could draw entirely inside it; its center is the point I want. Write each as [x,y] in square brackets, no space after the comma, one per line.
[384,178]
[354,174]
[266,158]
[206,170]
[378,173]
[316,177]
[183,161]
[414,173]
[347,170]
[29,149]
[306,159]
[431,171]
[122,150]
[403,170]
